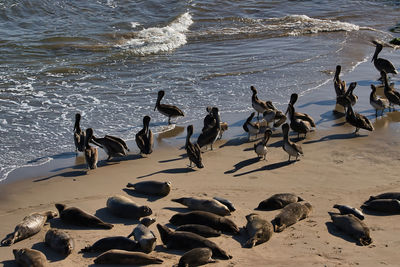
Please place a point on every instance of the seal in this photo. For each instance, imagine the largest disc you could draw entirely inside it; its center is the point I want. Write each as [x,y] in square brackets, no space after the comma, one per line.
[258,229]
[115,256]
[278,201]
[145,237]
[203,230]
[210,205]
[113,242]
[152,187]
[226,202]
[29,226]
[205,218]
[186,241]
[291,214]
[59,241]
[26,257]
[383,205]
[388,195]
[76,216]
[124,207]
[344,209]
[353,226]
[196,257]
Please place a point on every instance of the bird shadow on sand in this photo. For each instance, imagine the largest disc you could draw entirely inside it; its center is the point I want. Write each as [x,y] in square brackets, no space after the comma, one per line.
[105,215]
[169,171]
[336,232]
[69,174]
[9,263]
[235,142]
[330,102]
[51,255]
[182,156]
[268,167]
[335,137]
[243,164]
[134,193]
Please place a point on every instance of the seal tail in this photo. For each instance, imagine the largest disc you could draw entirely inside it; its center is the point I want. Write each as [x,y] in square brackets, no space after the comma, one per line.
[86,249]
[130,185]
[104,225]
[8,240]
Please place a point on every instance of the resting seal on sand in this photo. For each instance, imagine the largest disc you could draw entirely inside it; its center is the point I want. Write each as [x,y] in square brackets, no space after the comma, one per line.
[203,230]
[205,218]
[124,207]
[116,256]
[258,230]
[152,187]
[195,257]
[278,201]
[59,241]
[353,226]
[210,205]
[30,225]
[113,242]
[225,202]
[187,241]
[388,195]
[344,209]
[384,205]
[145,237]
[291,214]
[26,257]
[76,216]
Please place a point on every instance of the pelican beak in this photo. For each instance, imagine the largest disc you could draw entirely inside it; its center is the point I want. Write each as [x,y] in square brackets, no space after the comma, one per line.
[155,108]
[287,110]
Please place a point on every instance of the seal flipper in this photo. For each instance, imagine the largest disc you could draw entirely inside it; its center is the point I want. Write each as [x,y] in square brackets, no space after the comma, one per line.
[9,239]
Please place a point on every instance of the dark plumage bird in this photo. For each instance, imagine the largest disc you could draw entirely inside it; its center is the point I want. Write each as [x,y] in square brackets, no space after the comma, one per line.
[91,153]
[377,103]
[293,149]
[209,122]
[299,115]
[79,135]
[170,111]
[298,125]
[357,120]
[144,138]
[251,127]
[259,105]
[209,136]
[349,97]
[113,146]
[261,147]
[340,86]
[382,64]
[392,95]
[193,150]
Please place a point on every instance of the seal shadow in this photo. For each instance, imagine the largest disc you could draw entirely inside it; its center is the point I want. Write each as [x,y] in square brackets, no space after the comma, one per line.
[134,193]
[242,237]
[182,210]
[108,217]
[9,263]
[169,171]
[243,164]
[59,224]
[162,248]
[269,167]
[336,232]
[377,213]
[68,174]
[51,255]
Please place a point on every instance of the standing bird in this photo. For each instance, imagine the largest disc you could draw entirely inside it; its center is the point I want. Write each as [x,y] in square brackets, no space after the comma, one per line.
[259,105]
[357,120]
[193,150]
[298,125]
[293,149]
[299,115]
[272,114]
[91,153]
[349,97]
[340,86]
[392,95]
[377,103]
[168,110]
[113,146]
[251,127]
[79,135]
[382,64]
[209,122]
[209,136]
[144,138]
[261,147]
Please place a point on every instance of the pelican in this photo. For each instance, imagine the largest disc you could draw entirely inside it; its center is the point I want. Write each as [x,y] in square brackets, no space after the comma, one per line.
[377,103]
[209,122]
[392,95]
[209,136]
[340,86]
[168,110]
[357,120]
[271,114]
[349,97]
[144,138]
[261,147]
[113,146]
[79,135]
[251,127]
[193,150]
[91,153]
[259,105]
[293,149]
[382,64]
[299,115]
[298,125]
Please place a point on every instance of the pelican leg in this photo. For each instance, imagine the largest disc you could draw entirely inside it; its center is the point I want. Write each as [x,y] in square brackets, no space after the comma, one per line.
[211,147]
[169,120]
[289,159]
[109,157]
[376,113]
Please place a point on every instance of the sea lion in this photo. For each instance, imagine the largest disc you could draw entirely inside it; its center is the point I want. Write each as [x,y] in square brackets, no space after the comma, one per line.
[59,241]
[383,205]
[388,195]
[113,242]
[152,187]
[30,225]
[116,256]
[203,230]
[291,214]
[225,202]
[196,257]
[145,237]
[76,216]
[352,226]
[124,207]
[186,241]
[26,257]
[278,201]
[210,205]
[344,209]
[205,218]
[258,230]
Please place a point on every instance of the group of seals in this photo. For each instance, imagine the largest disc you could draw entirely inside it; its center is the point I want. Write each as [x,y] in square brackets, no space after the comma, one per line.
[385,202]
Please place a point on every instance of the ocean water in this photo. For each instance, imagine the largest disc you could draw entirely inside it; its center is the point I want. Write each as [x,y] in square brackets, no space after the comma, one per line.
[107,59]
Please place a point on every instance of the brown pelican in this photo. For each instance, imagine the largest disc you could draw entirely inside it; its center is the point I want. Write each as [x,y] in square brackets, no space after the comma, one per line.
[299,115]
[293,149]
[357,120]
[298,125]
[209,136]
[113,146]
[259,105]
[209,122]
[349,97]
[144,138]
[382,64]
[168,110]
[377,103]
[91,154]
[392,95]
[193,150]
[340,86]
[272,114]
[261,147]
[251,127]
[79,135]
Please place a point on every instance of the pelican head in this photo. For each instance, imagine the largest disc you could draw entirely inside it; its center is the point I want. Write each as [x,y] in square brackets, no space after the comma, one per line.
[377,50]
[253,89]
[161,94]
[293,98]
